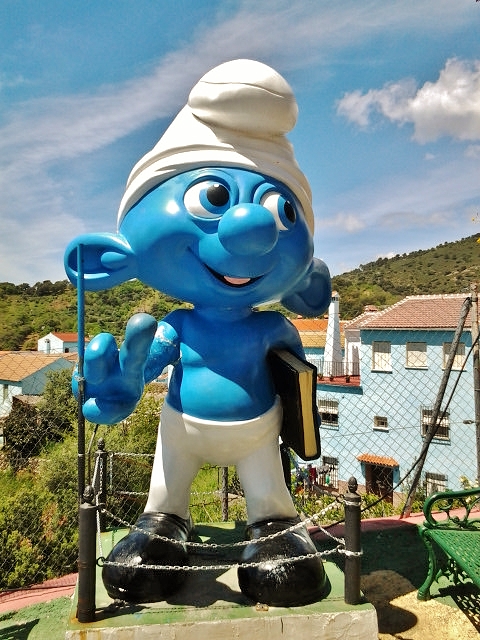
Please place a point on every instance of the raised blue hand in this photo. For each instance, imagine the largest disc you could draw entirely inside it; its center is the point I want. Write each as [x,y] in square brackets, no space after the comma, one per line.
[114,378]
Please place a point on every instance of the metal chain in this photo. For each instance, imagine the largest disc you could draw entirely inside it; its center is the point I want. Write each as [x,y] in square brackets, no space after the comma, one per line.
[103,562]
[128,454]
[196,494]
[314,519]
[95,472]
[242,543]
[99,463]
[130,493]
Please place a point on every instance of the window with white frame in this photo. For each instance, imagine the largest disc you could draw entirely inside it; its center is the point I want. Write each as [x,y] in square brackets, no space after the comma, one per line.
[328,410]
[435,482]
[459,358]
[416,355]
[442,423]
[381,356]
[380,423]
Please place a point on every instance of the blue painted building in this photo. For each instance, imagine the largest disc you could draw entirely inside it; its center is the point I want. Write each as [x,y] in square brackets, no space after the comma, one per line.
[374,423]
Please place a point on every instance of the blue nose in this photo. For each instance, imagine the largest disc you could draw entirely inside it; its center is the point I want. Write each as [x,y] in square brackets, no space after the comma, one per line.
[248,229]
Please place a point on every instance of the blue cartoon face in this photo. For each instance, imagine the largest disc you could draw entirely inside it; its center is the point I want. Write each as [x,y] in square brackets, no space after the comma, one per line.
[219,237]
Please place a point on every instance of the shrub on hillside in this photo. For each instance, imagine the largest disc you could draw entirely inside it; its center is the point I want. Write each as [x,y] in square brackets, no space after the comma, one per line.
[38,536]
[30,427]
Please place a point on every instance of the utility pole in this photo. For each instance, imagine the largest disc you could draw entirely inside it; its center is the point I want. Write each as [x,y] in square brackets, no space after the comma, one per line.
[476,373]
[436,411]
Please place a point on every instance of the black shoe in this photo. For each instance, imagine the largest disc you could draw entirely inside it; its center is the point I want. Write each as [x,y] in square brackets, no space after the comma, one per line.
[281,584]
[134,584]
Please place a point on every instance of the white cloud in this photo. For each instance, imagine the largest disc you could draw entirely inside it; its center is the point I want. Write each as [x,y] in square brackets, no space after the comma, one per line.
[472,151]
[41,136]
[342,221]
[390,254]
[391,101]
[402,213]
[7,81]
[401,220]
[31,252]
[448,107]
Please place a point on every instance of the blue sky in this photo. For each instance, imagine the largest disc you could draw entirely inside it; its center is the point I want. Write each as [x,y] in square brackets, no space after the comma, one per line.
[388,132]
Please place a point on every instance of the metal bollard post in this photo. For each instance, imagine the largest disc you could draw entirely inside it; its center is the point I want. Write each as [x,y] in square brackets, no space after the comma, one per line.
[224,494]
[100,481]
[87,557]
[352,543]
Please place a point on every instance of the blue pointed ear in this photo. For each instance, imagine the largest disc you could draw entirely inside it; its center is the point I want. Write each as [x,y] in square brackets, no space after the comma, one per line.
[312,295]
[108,260]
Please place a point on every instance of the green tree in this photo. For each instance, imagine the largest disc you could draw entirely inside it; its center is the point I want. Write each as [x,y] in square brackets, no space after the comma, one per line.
[30,427]
[57,408]
[22,433]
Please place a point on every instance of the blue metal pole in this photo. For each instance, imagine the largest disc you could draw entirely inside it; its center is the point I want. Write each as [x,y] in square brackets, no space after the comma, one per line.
[87,515]
[81,381]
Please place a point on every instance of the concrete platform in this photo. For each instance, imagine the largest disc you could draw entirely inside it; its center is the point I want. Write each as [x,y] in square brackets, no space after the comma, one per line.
[211,606]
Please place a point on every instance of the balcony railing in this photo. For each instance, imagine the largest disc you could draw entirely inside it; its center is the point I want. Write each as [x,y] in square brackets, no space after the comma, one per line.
[328,369]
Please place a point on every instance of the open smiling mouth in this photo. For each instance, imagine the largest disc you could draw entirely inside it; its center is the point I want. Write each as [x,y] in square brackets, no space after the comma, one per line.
[231,281]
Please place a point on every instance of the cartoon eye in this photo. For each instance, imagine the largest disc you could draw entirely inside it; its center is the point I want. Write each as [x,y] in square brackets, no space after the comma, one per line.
[282,209]
[207,199]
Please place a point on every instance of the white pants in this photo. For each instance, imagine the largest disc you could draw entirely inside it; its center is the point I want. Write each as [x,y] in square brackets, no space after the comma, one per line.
[185,443]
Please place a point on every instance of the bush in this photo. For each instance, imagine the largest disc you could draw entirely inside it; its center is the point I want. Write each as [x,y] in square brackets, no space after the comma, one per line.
[38,536]
[30,427]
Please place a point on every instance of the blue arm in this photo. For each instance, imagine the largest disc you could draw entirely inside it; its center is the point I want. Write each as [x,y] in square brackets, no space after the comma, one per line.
[114,378]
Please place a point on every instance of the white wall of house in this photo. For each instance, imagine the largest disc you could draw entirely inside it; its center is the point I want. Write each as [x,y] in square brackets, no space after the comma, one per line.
[53,344]
[7,391]
[353,345]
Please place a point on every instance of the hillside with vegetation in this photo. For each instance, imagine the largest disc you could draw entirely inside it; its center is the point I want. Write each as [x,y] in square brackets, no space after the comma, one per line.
[29,312]
[450,267]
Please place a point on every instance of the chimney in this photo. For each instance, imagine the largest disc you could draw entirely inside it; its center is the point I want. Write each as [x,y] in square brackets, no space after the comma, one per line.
[332,359]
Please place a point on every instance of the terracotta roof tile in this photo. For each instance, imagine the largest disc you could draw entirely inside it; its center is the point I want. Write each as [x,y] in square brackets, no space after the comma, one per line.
[67,336]
[313,331]
[17,365]
[383,461]
[416,312]
[361,320]
[310,324]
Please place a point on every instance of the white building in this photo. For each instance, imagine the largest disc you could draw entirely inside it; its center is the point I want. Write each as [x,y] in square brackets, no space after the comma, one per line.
[57,342]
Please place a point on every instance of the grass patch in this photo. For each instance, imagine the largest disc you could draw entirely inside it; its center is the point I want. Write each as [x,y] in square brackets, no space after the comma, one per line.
[40,621]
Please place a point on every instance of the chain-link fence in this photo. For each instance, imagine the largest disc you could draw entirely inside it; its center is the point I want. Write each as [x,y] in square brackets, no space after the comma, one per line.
[399,413]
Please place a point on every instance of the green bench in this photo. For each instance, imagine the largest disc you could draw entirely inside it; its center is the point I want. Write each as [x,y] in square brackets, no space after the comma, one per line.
[453,542]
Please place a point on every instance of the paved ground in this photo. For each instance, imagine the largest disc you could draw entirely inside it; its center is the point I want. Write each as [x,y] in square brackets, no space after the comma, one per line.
[57,588]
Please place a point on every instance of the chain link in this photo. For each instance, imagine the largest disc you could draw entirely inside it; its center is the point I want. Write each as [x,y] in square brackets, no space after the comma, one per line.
[127,454]
[103,562]
[225,545]
[340,548]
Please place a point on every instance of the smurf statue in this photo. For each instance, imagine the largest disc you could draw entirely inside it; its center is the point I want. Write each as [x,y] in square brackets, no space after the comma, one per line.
[218,214]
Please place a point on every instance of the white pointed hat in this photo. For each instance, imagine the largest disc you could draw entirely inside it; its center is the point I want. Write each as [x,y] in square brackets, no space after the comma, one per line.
[237,115]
